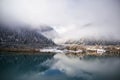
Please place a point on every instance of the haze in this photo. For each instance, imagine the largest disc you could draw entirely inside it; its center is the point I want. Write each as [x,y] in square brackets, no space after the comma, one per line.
[72,19]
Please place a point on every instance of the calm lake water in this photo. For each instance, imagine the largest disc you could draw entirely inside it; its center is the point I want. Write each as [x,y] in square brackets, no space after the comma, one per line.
[45,66]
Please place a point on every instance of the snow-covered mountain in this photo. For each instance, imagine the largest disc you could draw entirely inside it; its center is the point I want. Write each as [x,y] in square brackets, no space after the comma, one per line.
[93,41]
[47,31]
[23,37]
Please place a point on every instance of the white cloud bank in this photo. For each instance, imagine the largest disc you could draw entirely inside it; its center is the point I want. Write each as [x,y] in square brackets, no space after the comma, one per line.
[73,19]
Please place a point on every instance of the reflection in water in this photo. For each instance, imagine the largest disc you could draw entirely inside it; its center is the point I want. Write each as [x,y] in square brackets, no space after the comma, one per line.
[58,67]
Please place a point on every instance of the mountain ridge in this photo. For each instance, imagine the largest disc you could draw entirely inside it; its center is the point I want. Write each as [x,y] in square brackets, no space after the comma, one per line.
[87,41]
[22,37]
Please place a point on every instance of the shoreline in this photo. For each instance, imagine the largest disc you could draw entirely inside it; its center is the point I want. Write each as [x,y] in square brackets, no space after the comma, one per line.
[73,53]
[18,50]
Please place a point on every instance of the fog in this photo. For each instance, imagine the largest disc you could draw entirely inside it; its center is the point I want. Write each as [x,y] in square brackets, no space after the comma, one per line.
[72,19]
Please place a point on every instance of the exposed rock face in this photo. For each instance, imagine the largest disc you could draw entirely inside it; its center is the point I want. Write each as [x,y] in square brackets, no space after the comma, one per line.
[93,42]
[22,37]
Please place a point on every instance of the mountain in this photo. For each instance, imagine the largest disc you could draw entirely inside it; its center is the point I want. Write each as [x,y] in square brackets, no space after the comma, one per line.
[22,37]
[93,41]
[47,31]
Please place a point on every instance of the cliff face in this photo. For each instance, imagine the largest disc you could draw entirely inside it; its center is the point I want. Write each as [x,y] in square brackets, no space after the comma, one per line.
[22,37]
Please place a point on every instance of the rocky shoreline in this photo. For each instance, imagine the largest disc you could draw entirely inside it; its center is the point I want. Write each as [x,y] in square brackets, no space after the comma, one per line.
[65,51]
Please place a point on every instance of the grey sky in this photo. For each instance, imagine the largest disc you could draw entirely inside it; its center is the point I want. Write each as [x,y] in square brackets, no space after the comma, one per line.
[73,19]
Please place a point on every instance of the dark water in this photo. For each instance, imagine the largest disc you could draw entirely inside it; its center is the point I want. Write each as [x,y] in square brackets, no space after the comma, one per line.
[45,66]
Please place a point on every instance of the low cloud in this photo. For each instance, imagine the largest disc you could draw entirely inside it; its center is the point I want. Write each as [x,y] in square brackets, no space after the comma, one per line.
[72,19]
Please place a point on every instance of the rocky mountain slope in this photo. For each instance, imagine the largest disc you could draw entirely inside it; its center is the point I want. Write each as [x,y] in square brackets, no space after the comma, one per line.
[47,31]
[93,41]
[22,37]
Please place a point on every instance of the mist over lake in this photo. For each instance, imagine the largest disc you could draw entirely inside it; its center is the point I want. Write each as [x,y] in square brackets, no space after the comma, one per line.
[14,66]
[59,39]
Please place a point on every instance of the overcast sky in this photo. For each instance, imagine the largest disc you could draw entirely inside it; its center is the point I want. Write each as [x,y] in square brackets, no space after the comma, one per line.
[70,18]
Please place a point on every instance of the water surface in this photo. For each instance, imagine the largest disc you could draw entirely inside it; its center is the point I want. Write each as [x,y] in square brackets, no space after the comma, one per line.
[51,66]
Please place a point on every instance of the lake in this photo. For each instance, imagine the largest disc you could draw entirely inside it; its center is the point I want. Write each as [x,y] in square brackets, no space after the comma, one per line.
[57,66]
